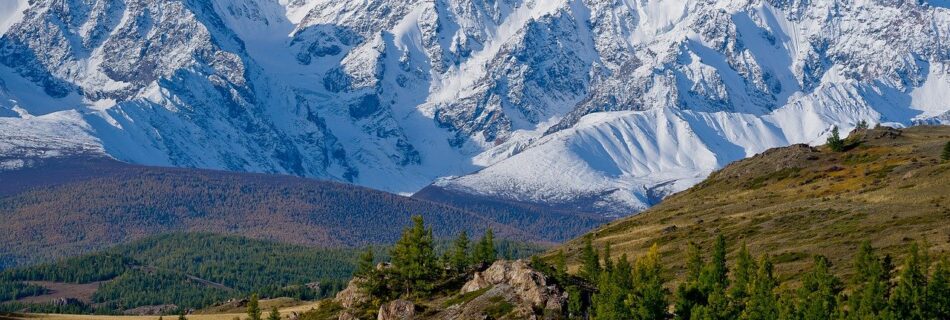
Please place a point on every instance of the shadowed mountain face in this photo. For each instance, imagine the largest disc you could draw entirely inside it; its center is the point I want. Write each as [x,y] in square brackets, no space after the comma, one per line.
[66,206]
[597,105]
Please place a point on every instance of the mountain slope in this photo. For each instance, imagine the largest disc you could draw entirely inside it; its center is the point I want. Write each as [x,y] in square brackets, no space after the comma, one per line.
[498,99]
[889,188]
[70,206]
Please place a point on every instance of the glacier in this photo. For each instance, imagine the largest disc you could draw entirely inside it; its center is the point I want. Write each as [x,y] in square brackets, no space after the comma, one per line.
[601,106]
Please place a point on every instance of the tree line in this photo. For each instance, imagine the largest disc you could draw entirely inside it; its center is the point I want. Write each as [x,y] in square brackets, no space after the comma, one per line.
[749,289]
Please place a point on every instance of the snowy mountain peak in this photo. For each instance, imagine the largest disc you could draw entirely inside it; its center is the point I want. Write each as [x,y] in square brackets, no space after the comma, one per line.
[596,105]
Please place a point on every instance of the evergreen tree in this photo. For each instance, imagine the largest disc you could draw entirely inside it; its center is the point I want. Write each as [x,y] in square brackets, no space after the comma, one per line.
[742,274]
[460,258]
[648,296]
[590,259]
[485,250]
[834,141]
[869,285]
[366,265]
[414,259]
[688,293]
[576,308]
[608,264]
[817,298]
[274,314]
[909,299]
[938,291]
[560,264]
[762,302]
[713,281]
[253,309]
[862,125]
[945,155]
[715,275]
[609,301]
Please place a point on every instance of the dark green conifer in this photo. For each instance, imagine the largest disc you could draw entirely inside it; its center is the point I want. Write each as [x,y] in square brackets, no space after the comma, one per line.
[485,249]
[945,155]
[413,258]
[743,272]
[835,143]
[460,258]
[938,291]
[869,285]
[818,296]
[590,260]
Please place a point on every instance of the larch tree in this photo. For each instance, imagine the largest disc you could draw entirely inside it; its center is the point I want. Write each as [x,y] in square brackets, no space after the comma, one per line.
[460,257]
[909,298]
[413,258]
[253,308]
[762,303]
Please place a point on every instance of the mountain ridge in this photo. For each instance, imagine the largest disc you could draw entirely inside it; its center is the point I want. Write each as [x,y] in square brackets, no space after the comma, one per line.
[468,95]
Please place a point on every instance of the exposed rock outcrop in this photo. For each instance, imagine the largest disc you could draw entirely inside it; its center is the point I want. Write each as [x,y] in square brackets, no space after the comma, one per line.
[352,295]
[397,310]
[528,284]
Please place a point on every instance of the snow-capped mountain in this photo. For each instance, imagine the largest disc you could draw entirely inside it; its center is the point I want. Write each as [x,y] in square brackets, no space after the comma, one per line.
[600,105]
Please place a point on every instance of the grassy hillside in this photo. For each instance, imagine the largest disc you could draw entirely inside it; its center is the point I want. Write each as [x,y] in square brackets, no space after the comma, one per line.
[62,208]
[889,186]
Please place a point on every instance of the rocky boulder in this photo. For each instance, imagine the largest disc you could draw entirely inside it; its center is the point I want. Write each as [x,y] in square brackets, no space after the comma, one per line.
[527,284]
[352,295]
[397,310]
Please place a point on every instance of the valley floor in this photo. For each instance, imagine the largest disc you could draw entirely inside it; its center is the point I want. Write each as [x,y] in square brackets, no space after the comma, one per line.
[228,315]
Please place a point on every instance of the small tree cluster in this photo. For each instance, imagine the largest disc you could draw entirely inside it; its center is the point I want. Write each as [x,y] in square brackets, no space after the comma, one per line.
[416,268]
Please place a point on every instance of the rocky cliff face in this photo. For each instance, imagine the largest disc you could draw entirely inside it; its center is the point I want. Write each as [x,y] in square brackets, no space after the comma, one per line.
[595,105]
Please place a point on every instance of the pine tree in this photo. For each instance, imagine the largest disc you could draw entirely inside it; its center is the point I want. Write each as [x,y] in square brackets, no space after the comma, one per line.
[869,285]
[909,299]
[945,155]
[648,296]
[590,259]
[834,141]
[274,314]
[818,296]
[253,309]
[762,302]
[485,249]
[938,291]
[460,258]
[413,258]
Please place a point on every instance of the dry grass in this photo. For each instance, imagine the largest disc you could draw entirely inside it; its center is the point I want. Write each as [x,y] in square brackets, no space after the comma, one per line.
[265,305]
[890,188]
